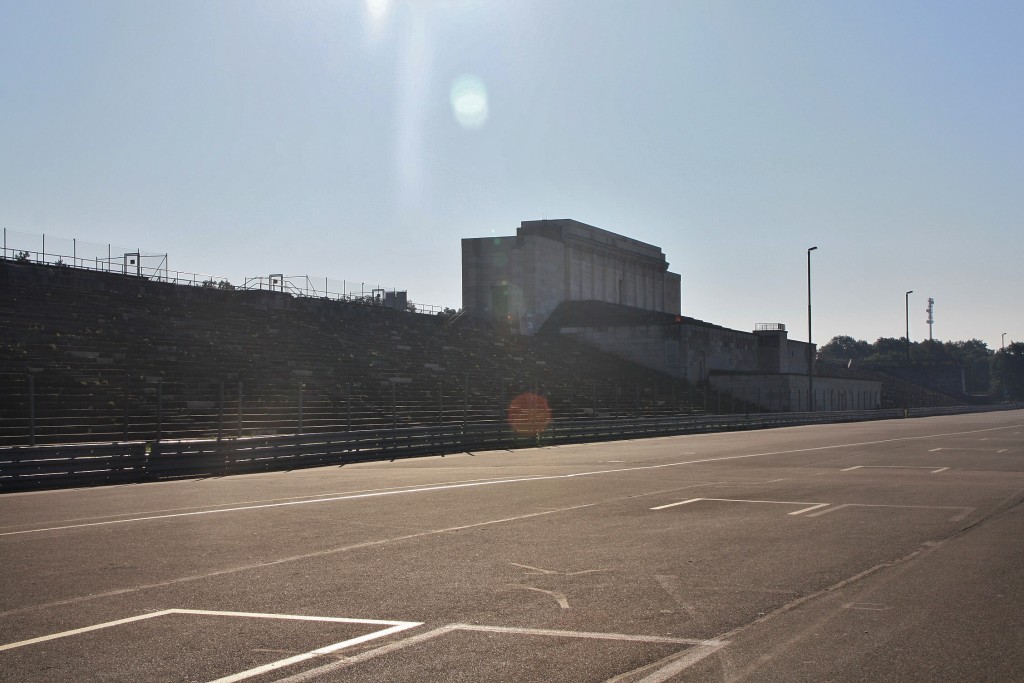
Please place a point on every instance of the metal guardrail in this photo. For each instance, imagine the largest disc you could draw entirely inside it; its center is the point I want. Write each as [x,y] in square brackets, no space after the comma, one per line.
[23,467]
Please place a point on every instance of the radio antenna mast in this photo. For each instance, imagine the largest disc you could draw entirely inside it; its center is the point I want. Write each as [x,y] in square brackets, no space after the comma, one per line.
[931,316]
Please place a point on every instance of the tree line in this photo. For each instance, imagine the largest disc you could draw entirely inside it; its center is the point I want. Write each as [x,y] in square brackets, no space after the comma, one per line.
[999,372]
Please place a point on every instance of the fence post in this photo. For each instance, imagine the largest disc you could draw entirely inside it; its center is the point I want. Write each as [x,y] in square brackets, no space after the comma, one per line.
[572,400]
[159,408]
[240,396]
[31,409]
[127,398]
[440,403]
[220,411]
[465,404]
[301,387]
[394,407]
[348,406]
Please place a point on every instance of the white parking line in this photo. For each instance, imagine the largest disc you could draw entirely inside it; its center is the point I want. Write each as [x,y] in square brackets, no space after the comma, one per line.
[86,629]
[392,627]
[665,669]
[896,467]
[814,506]
[964,511]
[672,505]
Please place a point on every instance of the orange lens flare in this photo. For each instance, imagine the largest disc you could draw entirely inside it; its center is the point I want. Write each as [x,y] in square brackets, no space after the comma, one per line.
[529,414]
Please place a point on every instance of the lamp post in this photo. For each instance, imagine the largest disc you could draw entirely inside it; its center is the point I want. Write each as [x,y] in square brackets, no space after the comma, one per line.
[907,302]
[810,346]
[1003,342]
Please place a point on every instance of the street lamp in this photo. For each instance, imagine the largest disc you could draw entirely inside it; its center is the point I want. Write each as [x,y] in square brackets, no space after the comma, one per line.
[907,302]
[1003,342]
[810,346]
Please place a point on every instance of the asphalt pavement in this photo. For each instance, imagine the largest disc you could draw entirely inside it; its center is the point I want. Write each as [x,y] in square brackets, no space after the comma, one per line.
[876,551]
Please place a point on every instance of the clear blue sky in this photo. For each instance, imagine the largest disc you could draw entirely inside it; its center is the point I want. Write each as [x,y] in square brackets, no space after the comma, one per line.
[362,139]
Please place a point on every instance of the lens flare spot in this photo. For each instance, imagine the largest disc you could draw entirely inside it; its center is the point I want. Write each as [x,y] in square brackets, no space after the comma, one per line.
[469,101]
[377,9]
[529,414]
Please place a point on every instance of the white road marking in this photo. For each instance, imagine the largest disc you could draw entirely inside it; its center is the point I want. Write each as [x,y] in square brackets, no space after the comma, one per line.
[86,629]
[697,650]
[237,503]
[563,602]
[392,627]
[685,661]
[896,467]
[1003,450]
[964,511]
[513,480]
[672,505]
[869,606]
[538,570]
[933,450]
[813,507]
[339,549]
[742,500]
[330,649]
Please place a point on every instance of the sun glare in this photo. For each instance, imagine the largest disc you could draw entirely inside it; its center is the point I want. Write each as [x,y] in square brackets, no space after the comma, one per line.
[376,9]
[469,101]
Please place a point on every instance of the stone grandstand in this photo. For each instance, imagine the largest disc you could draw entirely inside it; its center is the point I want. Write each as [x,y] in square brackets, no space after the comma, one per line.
[93,356]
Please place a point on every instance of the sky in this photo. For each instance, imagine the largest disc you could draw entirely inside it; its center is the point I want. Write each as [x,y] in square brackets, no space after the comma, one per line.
[361,140]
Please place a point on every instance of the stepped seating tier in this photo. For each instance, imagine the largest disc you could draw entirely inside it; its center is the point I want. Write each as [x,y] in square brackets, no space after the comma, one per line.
[97,356]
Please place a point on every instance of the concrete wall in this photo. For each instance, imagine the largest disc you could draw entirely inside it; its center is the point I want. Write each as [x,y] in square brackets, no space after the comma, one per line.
[548,262]
[692,349]
[788,392]
[652,346]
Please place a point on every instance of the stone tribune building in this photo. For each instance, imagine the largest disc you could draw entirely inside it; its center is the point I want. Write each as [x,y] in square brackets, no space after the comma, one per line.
[617,294]
[521,279]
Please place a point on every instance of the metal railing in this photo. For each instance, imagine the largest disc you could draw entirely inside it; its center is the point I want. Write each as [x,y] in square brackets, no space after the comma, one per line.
[108,258]
[96,464]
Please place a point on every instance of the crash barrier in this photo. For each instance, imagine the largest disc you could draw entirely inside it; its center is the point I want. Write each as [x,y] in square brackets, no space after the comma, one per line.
[73,465]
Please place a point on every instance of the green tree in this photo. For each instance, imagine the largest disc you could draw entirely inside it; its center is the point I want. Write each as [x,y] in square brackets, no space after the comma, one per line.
[843,349]
[976,359]
[888,349]
[1008,372]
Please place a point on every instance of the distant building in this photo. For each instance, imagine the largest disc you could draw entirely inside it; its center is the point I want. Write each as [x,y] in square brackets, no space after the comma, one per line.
[521,279]
[616,294]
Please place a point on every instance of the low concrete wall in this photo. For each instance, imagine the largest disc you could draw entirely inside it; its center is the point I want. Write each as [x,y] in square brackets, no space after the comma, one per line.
[787,393]
[692,349]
